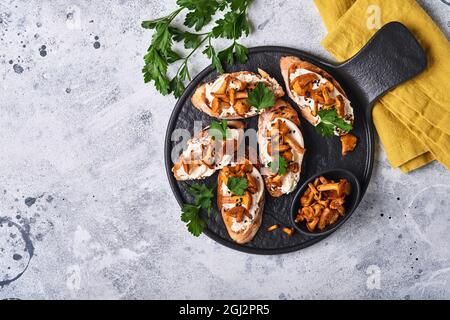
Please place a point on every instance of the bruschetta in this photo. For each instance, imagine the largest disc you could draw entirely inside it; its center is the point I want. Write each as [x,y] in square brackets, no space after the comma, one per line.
[240,199]
[205,153]
[313,89]
[281,148]
[226,96]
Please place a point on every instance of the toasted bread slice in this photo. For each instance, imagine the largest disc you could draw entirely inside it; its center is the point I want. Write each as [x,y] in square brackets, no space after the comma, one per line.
[314,89]
[226,96]
[205,154]
[279,136]
[242,215]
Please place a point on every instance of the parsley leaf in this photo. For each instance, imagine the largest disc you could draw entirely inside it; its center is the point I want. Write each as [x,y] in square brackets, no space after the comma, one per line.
[203,196]
[191,40]
[236,49]
[240,4]
[162,38]
[177,83]
[279,166]
[149,24]
[329,121]
[218,129]
[159,55]
[261,97]
[176,86]
[191,215]
[201,12]
[155,70]
[238,186]
[232,26]
[227,55]
[211,54]
[241,52]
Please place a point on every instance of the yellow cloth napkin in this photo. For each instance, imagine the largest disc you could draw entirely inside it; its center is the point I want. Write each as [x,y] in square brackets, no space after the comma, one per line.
[413,120]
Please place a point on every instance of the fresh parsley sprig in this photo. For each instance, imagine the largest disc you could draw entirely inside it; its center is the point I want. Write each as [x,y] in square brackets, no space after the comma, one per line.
[237,185]
[160,55]
[261,97]
[218,129]
[279,165]
[203,196]
[329,121]
[190,213]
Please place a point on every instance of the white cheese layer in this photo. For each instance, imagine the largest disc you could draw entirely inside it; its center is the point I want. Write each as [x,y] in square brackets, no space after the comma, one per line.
[290,179]
[304,102]
[194,147]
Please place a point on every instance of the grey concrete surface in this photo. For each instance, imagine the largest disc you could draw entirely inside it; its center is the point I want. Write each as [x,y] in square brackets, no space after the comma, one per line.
[83,191]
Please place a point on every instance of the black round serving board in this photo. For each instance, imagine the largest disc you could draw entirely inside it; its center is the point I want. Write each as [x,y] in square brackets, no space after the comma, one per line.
[321,153]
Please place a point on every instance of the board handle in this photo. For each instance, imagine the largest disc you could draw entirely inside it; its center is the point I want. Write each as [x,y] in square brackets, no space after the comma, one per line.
[390,58]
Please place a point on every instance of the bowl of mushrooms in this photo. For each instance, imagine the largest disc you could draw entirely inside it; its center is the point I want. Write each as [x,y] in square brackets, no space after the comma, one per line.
[324,202]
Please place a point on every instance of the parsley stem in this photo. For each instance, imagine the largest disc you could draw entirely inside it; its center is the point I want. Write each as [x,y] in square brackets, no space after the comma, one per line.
[209,40]
[185,60]
[174,14]
[169,17]
[199,44]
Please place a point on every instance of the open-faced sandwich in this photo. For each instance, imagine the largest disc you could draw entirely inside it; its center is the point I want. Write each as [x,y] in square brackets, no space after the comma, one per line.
[240,198]
[281,148]
[210,150]
[226,97]
[313,89]
[321,99]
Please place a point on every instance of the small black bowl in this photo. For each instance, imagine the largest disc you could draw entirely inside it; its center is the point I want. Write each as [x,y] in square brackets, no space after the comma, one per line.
[351,201]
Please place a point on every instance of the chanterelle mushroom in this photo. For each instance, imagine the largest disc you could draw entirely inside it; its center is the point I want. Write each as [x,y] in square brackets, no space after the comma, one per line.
[323,203]
[348,143]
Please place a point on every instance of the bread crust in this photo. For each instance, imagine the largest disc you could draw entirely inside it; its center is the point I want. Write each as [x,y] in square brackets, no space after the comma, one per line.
[286,63]
[246,235]
[200,102]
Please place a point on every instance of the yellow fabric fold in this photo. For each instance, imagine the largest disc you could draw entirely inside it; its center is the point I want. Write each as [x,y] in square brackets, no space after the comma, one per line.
[397,154]
[417,162]
[412,120]
[330,17]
